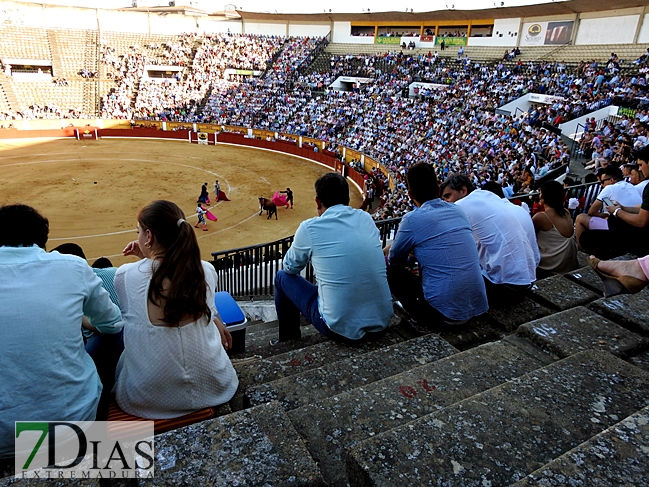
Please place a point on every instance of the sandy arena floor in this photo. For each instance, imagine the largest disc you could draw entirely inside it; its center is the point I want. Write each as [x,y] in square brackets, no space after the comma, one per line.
[91,191]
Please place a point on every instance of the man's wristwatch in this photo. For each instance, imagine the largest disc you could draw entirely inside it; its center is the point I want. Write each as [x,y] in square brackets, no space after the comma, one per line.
[616,210]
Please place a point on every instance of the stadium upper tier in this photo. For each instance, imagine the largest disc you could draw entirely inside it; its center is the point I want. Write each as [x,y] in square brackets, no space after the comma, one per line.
[404,105]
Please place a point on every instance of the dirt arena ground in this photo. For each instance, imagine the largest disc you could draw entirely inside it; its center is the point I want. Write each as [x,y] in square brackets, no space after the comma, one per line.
[91,191]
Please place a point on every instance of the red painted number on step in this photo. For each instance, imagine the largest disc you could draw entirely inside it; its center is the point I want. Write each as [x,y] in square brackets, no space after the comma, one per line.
[296,362]
[427,387]
[407,391]
[410,392]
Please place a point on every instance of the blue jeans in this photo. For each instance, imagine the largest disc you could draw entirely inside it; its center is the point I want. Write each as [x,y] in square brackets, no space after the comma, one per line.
[295,295]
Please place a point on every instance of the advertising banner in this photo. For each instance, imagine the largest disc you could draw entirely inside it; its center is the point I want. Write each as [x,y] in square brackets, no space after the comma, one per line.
[427,39]
[387,40]
[547,33]
[451,41]
[545,99]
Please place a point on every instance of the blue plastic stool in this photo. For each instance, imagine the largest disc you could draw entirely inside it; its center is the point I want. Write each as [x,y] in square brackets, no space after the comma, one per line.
[233,318]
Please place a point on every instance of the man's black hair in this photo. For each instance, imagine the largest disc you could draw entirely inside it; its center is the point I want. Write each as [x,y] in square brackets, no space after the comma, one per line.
[102,263]
[332,189]
[642,154]
[495,188]
[422,182]
[22,226]
[457,182]
[611,171]
[71,249]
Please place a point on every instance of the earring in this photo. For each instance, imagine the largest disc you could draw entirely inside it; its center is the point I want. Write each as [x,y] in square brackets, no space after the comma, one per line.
[147,245]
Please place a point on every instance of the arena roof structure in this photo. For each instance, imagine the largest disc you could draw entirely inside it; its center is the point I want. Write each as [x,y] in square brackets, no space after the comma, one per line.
[546,9]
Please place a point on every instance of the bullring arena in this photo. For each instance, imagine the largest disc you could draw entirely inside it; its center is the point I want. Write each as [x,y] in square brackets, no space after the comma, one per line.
[92,190]
[102,111]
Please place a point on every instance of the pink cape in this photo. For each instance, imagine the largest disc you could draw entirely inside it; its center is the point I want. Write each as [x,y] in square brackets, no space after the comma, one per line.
[210,216]
[279,199]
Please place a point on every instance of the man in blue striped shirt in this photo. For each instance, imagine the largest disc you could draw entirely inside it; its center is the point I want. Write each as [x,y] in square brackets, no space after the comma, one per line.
[449,287]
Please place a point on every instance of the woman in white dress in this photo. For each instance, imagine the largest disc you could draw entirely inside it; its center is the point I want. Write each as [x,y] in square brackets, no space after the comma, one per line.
[174,361]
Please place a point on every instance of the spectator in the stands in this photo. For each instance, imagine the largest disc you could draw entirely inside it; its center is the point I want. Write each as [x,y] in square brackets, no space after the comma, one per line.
[614,189]
[628,226]
[449,287]
[43,298]
[555,231]
[352,297]
[506,254]
[174,361]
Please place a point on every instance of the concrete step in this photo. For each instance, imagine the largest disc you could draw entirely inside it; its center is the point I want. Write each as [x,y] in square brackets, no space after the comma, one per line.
[588,278]
[579,329]
[331,426]
[333,378]
[509,318]
[256,447]
[629,310]
[259,335]
[617,456]
[641,360]
[559,293]
[499,436]
[294,358]
[301,359]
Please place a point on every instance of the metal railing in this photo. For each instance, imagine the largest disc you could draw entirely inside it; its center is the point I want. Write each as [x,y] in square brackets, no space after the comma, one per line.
[250,271]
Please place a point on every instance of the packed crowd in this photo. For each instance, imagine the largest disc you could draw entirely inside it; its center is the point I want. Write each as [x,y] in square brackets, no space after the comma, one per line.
[455,125]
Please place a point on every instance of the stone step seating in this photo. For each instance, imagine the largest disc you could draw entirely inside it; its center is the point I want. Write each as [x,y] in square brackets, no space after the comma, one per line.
[24,43]
[333,425]
[72,48]
[518,402]
[499,436]
[618,453]
[47,93]
[335,377]
[300,358]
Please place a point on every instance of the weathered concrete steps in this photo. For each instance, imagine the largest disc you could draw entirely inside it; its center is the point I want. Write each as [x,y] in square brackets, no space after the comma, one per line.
[499,436]
[258,446]
[300,360]
[331,426]
[330,379]
[617,456]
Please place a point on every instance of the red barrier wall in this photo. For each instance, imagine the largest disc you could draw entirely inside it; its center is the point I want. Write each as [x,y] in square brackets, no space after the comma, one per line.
[29,134]
[153,133]
[281,146]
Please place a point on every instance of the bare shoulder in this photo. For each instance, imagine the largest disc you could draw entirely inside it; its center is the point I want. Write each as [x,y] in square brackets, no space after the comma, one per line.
[542,221]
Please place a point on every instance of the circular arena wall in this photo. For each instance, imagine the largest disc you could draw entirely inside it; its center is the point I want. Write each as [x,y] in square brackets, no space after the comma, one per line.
[91,190]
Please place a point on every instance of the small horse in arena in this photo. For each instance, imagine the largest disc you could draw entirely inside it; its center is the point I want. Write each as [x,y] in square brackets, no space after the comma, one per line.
[269,206]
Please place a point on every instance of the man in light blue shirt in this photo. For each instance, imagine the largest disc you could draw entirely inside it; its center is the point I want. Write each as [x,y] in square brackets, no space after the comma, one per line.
[352,296]
[46,373]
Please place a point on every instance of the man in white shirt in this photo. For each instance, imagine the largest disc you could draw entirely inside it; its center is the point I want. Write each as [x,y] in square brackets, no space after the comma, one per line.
[506,255]
[614,189]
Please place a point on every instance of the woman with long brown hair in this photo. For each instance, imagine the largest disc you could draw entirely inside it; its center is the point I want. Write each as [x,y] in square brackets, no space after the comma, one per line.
[174,361]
